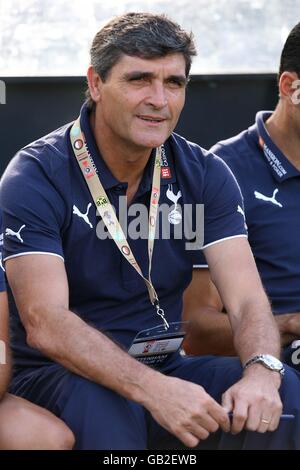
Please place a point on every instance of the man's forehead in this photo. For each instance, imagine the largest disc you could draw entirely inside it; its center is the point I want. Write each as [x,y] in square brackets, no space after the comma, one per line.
[170,63]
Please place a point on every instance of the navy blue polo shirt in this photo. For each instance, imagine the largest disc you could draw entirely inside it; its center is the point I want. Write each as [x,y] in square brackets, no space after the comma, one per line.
[271,189]
[2,280]
[47,208]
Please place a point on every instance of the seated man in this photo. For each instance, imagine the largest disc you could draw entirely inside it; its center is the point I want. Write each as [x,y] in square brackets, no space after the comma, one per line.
[96,307]
[24,425]
[266,162]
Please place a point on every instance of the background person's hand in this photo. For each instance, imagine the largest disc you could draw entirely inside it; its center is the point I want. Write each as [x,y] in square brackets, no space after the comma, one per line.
[289,327]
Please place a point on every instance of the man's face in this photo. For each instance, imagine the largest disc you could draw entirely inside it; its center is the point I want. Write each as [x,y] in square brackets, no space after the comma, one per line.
[141,100]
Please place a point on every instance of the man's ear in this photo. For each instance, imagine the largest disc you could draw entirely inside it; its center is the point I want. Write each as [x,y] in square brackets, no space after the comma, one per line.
[95,84]
[288,84]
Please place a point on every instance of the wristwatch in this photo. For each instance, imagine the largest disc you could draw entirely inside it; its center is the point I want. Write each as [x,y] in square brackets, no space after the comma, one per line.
[268,361]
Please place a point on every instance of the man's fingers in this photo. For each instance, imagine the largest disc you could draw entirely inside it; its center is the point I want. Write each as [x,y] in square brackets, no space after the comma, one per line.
[255,422]
[268,423]
[264,424]
[274,422]
[227,402]
[220,416]
[270,420]
[239,417]
[197,432]
[209,423]
[188,439]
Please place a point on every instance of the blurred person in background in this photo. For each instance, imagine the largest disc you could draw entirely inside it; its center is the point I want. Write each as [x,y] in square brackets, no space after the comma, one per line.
[265,160]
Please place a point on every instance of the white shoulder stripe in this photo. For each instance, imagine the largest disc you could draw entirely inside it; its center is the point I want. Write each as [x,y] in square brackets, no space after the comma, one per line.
[222,239]
[33,253]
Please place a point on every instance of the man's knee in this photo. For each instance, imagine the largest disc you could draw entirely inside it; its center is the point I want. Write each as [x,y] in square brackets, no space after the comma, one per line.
[25,426]
[59,436]
[102,419]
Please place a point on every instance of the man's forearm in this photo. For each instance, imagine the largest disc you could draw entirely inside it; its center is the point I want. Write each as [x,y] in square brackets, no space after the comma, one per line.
[89,353]
[255,330]
[234,273]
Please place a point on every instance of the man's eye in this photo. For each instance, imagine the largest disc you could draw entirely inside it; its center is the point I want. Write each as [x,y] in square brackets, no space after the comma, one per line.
[175,84]
[139,79]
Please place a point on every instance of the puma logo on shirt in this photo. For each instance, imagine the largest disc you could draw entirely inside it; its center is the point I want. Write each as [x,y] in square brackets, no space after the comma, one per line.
[240,211]
[267,198]
[12,233]
[83,216]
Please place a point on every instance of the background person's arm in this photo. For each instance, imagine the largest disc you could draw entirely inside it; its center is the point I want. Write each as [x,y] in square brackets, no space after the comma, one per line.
[40,288]
[5,369]
[289,327]
[210,331]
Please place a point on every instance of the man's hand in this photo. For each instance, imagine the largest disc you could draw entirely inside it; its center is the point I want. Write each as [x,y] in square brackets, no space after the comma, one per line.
[254,401]
[186,410]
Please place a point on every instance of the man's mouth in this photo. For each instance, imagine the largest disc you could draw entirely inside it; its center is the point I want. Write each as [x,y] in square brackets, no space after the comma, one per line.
[147,118]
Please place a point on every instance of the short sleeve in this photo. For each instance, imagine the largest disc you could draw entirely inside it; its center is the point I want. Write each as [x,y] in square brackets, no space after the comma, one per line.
[224,216]
[33,209]
[199,260]
[2,278]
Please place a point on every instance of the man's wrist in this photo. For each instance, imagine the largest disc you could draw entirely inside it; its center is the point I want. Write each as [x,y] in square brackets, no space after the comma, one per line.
[262,363]
[258,370]
[143,391]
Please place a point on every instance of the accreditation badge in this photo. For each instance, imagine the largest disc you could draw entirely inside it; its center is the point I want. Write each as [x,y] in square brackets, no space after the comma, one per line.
[153,346]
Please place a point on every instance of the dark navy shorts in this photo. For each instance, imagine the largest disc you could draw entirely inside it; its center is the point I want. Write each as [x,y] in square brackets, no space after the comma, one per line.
[101,419]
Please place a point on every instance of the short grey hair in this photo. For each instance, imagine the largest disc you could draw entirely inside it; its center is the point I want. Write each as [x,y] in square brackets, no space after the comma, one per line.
[143,35]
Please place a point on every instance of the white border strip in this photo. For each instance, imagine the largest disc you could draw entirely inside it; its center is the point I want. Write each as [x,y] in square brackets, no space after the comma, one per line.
[33,253]
[222,239]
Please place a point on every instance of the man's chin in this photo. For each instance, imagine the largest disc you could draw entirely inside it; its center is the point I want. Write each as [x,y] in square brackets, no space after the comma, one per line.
[152,142]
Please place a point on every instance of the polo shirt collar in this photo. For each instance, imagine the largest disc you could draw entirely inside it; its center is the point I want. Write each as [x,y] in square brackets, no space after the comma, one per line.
[279,165]
[167,170]
[107,179]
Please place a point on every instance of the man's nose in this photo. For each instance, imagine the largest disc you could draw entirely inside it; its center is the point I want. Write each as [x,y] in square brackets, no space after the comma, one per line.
[157,97]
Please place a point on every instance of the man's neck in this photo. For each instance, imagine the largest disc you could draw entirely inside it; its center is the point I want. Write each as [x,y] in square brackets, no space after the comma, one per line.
[285,134]
[126,163]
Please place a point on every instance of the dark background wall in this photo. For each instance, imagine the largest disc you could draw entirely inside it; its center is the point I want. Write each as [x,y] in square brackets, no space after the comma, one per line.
[217,107]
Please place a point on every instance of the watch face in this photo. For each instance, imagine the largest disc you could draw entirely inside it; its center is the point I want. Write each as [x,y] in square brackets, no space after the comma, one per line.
[272,362]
